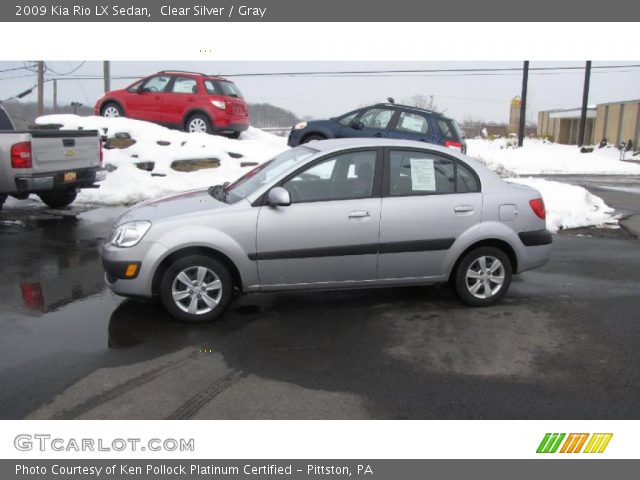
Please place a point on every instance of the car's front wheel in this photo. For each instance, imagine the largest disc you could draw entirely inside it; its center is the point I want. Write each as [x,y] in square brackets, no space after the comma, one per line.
[483,276]
[112,110]
[59,198]
[196,288]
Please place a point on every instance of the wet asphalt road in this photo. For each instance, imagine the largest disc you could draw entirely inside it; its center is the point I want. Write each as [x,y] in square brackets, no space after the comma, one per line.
[564,342]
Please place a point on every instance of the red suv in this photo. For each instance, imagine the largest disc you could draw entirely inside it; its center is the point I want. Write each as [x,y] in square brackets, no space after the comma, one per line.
[191,101]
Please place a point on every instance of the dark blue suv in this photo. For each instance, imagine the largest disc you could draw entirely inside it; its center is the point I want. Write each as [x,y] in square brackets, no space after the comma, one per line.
[384,120]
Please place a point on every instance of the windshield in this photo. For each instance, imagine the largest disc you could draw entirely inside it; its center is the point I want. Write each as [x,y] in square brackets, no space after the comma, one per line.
[263,174]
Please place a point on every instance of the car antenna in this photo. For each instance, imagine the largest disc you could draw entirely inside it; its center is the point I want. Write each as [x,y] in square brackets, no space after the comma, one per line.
[391,100]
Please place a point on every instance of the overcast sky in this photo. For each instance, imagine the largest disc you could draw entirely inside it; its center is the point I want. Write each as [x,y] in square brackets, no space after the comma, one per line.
[485,97]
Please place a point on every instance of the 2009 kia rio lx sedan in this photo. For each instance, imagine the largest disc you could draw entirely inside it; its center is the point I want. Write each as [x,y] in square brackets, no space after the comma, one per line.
[332,214]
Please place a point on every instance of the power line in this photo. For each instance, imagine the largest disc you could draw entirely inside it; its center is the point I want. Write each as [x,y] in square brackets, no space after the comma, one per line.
[73,70]
[24,67]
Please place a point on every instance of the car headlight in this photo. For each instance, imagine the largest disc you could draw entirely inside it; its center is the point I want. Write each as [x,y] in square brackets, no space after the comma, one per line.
[300,126]
[129,234]
[218,103]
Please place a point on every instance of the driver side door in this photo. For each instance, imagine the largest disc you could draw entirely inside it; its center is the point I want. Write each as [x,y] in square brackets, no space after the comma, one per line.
[328,236]
[146,103]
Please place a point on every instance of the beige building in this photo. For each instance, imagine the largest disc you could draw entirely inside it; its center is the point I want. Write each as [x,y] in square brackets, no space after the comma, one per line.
[563,125]
[616,122]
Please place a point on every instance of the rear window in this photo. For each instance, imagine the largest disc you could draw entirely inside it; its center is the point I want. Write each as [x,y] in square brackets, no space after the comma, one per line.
[221,87]
[449,129]
[5,122]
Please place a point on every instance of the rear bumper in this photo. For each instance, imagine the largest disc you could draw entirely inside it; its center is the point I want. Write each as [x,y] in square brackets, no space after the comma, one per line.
[536,238]
[55,181]
[225,125]
[536,249]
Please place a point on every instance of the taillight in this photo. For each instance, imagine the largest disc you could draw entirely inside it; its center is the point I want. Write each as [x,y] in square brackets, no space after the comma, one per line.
[21,155]
[537,205]
[101,152]
[452,144]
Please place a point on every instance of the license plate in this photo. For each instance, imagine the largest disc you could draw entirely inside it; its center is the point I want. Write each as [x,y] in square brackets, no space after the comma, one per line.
[70,177]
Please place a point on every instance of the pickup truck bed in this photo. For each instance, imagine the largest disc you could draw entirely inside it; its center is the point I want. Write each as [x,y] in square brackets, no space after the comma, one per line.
[50,163]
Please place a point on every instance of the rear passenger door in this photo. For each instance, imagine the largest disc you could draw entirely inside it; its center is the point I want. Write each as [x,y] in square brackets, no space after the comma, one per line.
[180,97]
[429,201]
[412,126]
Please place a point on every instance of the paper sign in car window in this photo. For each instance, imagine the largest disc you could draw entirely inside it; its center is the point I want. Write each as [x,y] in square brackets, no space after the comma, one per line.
[423,178]
[413,123]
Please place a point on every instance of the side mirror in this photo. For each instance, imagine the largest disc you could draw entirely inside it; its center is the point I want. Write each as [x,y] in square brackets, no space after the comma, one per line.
[279,197]
[141,89]
[357,125]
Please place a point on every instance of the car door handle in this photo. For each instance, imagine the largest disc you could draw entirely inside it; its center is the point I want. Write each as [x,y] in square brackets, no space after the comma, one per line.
[359,214]
[378,135]
[463,209]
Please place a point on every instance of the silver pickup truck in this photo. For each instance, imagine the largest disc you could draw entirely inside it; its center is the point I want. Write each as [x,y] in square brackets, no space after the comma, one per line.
[51,163]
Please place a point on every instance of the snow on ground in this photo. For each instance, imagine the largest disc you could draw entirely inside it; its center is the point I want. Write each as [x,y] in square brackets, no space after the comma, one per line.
[570,206]
[128,184]
[539,157]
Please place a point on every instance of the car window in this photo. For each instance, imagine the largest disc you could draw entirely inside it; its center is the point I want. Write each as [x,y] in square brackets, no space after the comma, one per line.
[413,123]
[220,87]
[184,85]
[376,117]
[449,129]
[157,84]
[346,121]
[466,181]
[134,88]
[265,173]
[345,176]
[420,173]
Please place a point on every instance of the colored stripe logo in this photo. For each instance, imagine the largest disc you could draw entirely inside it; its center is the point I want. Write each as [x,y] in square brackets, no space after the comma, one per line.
[574,443]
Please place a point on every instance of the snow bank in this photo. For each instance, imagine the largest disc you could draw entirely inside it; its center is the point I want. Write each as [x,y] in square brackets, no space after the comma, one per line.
[570,206]
[128,184]
[539,157]
[567,206]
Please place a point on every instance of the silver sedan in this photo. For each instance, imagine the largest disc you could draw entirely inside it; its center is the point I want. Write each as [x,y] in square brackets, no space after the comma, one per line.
[332,214]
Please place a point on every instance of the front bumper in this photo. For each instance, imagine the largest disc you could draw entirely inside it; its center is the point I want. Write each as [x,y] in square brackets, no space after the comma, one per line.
[147,255]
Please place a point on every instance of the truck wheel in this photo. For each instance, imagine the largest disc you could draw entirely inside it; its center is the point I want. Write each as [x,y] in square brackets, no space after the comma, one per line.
[198,123]
[59,198]
[196,289]
[483,276]
[2,200]
[111,110]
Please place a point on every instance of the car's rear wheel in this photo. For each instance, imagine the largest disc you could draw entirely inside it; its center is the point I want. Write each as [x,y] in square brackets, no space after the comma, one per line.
[312,137]
[483,276]
[196,289]
[198,123]
[3,198]
[59,198]
[111,110]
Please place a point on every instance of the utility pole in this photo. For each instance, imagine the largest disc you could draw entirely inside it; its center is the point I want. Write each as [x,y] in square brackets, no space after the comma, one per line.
[523,105]
[585,101]
[40,88]
[55,96]
[106,68]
